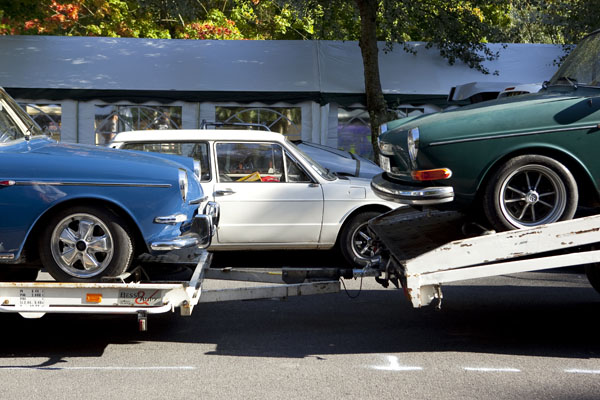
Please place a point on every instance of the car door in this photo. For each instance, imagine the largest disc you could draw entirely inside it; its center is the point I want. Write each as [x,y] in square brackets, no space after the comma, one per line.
[266,197]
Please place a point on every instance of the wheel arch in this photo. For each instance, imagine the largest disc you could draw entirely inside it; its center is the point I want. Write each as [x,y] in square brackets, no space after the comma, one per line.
[380,208]
[586,187]
[30,242]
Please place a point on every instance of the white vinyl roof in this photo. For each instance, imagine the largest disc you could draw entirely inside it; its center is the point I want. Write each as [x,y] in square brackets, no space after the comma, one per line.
[93,63]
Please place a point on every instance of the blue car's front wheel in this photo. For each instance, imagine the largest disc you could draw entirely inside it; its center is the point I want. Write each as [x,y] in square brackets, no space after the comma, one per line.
[84,244]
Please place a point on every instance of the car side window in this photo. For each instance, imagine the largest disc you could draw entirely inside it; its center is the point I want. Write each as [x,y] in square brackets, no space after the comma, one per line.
[294,172]
[250,162]
[197,150]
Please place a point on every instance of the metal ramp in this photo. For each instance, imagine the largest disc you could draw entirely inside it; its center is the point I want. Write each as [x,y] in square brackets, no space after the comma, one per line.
[430,248]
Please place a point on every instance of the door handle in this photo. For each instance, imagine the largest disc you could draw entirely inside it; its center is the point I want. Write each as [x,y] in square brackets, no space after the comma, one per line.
[225,192]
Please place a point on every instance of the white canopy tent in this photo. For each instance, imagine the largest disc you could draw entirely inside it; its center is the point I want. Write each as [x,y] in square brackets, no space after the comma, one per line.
[318,76]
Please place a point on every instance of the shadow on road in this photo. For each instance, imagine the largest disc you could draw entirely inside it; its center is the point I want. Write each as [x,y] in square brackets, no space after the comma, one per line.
[536,321]
[555,320]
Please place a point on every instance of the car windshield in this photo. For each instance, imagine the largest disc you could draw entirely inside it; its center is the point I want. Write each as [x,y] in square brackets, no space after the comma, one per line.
[582,67]
[14,122]
[318,168]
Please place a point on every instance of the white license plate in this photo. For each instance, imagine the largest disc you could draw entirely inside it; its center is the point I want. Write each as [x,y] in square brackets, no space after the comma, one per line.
[31,298]
[384,163]
[140,297]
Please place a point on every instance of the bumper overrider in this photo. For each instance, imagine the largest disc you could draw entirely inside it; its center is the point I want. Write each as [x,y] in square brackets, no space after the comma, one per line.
[195,233]
[405,193]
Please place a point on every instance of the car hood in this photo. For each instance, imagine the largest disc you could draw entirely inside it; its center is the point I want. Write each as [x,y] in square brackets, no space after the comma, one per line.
[338,161]
[77,161]
[546,110]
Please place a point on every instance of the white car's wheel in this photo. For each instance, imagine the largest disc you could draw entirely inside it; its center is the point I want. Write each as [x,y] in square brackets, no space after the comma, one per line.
[356,242]
[84,244]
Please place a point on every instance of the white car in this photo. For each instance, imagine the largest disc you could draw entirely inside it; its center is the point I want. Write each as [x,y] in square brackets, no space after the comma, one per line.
[272,195]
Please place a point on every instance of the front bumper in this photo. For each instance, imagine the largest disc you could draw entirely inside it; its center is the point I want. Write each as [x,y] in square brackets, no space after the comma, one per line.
[412,195]
[196,233]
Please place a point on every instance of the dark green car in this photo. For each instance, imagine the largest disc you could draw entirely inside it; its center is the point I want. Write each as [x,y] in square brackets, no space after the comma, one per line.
[518,161]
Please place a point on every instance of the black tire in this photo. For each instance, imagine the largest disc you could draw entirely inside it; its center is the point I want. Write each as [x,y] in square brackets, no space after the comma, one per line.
[592,271]
[530,190]
[355,243]
[84,244]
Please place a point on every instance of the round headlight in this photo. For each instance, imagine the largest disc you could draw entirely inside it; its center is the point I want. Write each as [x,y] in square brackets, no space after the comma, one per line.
[183,184]
[413,143]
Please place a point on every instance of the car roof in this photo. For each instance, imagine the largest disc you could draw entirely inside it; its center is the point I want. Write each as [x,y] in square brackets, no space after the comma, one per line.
[161,135]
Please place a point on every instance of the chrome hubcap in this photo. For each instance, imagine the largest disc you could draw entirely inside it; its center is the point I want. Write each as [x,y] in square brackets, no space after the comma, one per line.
[82,245]
[533,195]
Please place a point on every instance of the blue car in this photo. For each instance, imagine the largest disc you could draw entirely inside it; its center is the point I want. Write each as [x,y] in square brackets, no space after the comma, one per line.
[84,212]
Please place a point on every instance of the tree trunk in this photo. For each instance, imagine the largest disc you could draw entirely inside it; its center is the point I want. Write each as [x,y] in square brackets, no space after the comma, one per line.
[376,104]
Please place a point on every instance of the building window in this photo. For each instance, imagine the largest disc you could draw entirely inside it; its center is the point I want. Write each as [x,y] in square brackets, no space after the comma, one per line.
[111,119]
[285,120]
[354,131]
[404,111]
[47,116]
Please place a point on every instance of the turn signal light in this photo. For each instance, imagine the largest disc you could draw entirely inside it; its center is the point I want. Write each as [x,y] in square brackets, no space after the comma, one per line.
[431,174]
[93,297]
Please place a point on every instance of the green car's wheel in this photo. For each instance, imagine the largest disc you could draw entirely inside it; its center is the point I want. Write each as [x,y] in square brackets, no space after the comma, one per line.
[530,190]
[84,244]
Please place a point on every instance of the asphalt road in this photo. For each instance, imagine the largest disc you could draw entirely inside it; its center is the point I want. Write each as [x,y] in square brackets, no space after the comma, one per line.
[526,336]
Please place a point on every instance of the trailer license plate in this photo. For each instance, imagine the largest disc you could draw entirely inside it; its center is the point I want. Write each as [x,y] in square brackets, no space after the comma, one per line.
[32,298]
[140,298]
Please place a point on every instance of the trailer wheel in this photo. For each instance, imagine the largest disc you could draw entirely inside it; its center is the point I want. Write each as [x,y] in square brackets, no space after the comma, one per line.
[84,244]
[530,190]
[356,242]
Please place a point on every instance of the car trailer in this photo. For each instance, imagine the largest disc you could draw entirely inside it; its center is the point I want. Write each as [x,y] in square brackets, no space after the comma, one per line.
[425,249]
[134,293]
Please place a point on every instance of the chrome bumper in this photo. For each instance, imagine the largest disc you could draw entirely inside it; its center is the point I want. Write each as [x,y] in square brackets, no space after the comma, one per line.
[411,195]
[197,233]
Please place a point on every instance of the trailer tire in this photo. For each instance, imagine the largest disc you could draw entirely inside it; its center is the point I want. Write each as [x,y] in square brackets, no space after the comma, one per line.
[530,190]
[84,244]
[355,242]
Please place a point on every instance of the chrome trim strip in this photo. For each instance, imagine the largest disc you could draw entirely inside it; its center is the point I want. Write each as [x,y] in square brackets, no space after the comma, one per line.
[103,184]
[597,126]
[7,256]
[199,201]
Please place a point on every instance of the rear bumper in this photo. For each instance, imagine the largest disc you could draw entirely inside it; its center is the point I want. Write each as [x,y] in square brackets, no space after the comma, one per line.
[409,194]
[196,233]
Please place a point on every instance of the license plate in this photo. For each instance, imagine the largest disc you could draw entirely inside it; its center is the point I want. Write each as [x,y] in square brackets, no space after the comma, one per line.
[384,163]
[32,298]
[140,298]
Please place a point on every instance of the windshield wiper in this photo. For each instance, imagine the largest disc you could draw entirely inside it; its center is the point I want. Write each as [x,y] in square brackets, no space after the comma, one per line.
[572,81]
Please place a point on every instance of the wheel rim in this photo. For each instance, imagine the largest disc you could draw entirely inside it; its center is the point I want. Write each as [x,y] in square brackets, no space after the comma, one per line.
[362,243]
[82,245]
[532,195]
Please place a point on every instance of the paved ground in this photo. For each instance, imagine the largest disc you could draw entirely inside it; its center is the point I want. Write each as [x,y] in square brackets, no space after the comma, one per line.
[527,336]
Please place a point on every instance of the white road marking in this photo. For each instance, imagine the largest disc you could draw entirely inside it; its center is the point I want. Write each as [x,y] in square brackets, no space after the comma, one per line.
[491,369]
[178,368]
[394,365]
[582,371]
